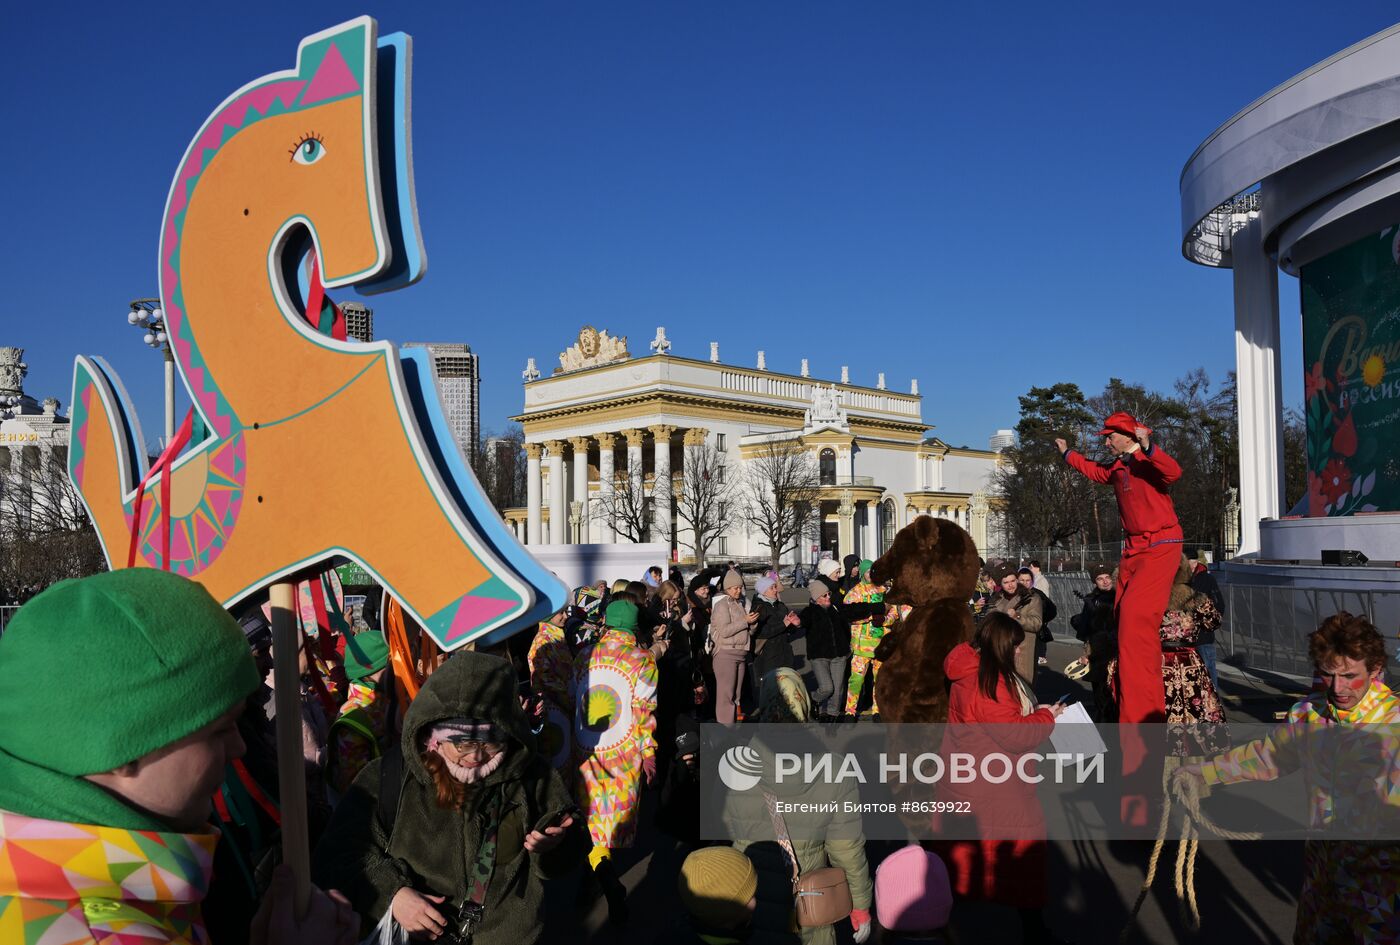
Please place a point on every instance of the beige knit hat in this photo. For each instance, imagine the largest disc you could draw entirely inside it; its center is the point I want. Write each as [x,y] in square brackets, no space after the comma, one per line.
[716,884]
[732,579]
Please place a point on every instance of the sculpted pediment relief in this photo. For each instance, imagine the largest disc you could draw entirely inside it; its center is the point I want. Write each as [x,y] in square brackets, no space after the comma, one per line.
[593,347]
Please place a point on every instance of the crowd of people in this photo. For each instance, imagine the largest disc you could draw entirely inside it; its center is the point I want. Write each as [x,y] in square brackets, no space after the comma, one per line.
[450,799]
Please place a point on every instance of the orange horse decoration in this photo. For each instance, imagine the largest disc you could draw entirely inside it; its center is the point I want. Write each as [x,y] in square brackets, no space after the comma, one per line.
[310,163]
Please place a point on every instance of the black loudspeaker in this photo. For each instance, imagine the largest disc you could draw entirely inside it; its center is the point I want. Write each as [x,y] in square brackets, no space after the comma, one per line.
[1347,559]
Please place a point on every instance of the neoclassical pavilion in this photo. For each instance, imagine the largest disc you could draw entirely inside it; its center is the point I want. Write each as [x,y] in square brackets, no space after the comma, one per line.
[603,413]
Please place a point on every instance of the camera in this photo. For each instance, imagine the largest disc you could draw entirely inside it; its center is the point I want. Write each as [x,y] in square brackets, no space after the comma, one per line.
[687,743]
[462,926]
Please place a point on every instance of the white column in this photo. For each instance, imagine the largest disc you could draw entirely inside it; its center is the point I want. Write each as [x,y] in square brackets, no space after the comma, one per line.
[978,517]
[558,503]
[872,544]
[636,472]
[606,442]
[846,525]
[937,479]
[1258,382]
[532,494]
[661,487]
[580,445]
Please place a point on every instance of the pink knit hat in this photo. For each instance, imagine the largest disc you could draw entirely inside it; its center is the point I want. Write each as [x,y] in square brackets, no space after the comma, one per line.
[912,893]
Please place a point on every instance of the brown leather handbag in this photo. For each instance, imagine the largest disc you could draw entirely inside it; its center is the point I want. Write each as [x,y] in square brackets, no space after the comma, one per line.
[820,897]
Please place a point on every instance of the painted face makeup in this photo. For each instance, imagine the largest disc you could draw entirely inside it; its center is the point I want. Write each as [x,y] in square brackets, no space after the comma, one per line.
[1346,681]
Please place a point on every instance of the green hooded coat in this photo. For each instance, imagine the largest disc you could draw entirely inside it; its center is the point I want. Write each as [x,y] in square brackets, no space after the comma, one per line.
[432,849]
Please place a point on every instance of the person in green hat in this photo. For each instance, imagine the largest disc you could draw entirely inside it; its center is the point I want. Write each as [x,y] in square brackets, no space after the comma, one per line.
[102,790]
[865,637]
[614,744]
[360,732]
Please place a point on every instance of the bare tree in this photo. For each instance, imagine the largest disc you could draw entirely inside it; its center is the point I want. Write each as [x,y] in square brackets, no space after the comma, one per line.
[45,533]
[500,467]
[706,497]
[627,509]
[780,496]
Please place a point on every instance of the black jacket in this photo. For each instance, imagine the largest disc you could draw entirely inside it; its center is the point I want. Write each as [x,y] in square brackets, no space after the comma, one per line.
[847,614]
[827,638]
[772,638]
[1096,614]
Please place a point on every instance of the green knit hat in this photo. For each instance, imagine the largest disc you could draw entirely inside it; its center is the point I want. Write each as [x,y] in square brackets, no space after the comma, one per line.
[108,668]
[621,615]
[865,565]
[366,653]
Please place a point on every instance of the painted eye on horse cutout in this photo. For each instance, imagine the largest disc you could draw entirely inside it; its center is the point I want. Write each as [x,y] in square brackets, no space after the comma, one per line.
[309,150]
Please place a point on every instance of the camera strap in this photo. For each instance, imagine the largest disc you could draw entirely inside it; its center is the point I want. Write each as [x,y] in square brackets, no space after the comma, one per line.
[480,877]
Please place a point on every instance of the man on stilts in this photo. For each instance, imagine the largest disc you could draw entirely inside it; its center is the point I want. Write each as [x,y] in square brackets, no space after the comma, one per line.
[1140,475]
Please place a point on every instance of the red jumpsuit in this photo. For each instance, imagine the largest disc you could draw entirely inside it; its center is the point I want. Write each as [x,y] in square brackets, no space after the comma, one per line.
[1151,556]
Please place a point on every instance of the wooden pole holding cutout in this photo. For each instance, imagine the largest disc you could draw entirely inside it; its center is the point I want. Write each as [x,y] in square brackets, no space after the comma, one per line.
[291,771]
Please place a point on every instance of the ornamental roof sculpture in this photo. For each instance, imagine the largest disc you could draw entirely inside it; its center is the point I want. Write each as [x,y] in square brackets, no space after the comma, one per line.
[593,348]
[826,409]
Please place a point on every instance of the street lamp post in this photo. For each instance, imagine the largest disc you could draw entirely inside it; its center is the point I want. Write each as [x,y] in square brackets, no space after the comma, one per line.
[146,314]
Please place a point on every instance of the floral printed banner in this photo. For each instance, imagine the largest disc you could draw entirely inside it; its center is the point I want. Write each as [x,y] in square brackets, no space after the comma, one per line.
[1351,354]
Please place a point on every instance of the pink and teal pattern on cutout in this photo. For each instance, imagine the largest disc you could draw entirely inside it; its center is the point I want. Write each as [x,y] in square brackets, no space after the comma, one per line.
[480,605]
[331,69]
[198,536]
[79,414]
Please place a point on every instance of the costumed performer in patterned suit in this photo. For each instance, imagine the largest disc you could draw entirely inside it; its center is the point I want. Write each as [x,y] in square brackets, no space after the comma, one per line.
[614,743]
[1345,742]
[865,637]
[551,663]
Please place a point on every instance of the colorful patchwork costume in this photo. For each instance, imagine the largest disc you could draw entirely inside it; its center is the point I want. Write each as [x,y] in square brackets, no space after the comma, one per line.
[865,637]
[614,721]
[356,735]
[66,884]
[552,678]
[362,728]
[1351,887]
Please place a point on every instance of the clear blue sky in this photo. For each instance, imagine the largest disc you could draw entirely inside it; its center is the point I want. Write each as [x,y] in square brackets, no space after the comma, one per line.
[981,198]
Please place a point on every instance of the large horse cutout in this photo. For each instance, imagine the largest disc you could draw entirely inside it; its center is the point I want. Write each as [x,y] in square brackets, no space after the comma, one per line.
[314,160]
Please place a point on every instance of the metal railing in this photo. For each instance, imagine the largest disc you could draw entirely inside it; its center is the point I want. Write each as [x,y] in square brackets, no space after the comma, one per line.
[1267,628]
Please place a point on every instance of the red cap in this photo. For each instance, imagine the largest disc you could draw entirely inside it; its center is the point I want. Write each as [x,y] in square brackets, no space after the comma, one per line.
[1121,422]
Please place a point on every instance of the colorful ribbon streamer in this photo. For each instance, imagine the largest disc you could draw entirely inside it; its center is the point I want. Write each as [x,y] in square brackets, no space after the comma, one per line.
[162,464]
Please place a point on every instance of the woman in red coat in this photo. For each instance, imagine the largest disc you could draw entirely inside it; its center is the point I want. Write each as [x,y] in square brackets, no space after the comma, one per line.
[992,711]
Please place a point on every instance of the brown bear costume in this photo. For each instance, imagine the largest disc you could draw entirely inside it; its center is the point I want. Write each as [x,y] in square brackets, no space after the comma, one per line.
[933,564]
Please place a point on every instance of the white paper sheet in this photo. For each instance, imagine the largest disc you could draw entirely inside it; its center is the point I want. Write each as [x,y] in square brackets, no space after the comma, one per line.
[1075,734]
